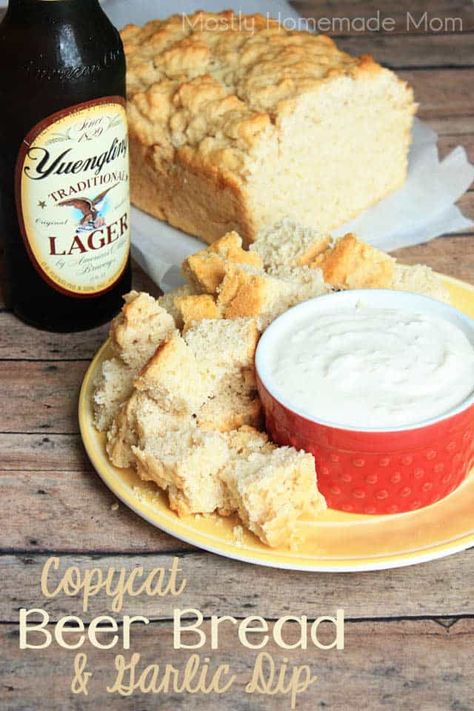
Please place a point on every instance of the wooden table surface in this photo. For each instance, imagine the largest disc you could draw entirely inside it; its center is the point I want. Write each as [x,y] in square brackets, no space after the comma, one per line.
[409,632]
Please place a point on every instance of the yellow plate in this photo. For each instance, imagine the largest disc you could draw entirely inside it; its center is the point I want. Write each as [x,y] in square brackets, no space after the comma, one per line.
[337,542]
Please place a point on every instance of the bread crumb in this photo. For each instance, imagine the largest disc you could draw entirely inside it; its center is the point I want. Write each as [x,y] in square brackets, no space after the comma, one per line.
[147,495]
[238,534]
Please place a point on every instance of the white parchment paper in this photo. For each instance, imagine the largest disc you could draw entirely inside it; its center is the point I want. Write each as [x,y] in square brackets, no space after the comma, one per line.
[421,210]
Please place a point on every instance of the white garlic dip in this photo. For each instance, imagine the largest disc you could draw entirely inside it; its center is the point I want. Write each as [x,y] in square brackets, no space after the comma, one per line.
[364,364]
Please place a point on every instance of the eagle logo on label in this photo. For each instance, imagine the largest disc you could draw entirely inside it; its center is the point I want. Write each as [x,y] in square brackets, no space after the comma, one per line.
[92,210]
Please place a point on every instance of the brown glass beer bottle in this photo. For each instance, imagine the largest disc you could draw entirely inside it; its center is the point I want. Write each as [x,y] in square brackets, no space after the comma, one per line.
[64,179]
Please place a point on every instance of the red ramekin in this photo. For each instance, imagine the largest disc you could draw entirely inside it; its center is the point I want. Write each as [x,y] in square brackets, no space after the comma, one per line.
[369,470]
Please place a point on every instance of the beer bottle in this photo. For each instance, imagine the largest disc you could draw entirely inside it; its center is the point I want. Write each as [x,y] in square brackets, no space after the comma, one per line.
[64,190]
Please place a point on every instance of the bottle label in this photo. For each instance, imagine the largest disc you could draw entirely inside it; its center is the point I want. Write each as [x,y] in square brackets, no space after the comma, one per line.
[72,192]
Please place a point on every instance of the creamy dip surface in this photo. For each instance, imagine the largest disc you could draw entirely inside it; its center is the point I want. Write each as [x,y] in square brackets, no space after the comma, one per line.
[367,367]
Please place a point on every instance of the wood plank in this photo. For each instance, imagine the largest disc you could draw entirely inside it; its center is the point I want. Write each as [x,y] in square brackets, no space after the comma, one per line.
[442,92]
[26,452]
[352,9]
[412,51]
[408,665]
[51,387]
[241,589]
[447,143]
[466,203]
[70,511]
[25,342]
[452,125]
[140,281]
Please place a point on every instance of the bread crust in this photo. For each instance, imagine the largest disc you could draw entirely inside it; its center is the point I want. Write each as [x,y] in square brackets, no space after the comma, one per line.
[196,308]
[353,264]
[199,201]
[206,269]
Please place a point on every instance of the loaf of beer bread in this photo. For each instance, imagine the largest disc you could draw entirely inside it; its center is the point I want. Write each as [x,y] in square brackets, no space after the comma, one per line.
[236,122]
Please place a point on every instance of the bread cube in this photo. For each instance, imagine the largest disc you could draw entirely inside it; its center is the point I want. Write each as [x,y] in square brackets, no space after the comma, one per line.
[113,386]
[196,308]
[227,344]
[229,247]
[173,378]
[138,418]
[271,491]
[245,294]
[233,405]
[353,264]
[122,434]
[288,244]
[168,302]
[139,328]
[306,283]
[206,269]
[185,463]
[246,440]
